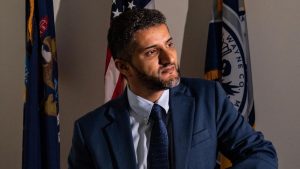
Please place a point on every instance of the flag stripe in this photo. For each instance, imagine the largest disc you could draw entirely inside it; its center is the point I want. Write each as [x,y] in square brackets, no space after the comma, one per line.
[108,58]
[119,87]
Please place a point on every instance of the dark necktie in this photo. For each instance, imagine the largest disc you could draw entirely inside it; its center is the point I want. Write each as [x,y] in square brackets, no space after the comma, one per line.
[158,149]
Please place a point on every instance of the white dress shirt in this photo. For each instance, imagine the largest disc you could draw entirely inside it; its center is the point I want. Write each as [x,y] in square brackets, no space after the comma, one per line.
[140,109]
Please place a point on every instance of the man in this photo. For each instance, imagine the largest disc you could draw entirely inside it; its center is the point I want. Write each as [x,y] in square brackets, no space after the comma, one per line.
[162,121]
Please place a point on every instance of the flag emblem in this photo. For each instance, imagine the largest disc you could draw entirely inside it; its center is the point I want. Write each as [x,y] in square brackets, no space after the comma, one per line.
[234,74]
[43,25]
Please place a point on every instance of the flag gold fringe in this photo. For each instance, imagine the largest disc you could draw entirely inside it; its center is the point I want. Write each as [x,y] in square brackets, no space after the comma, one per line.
[29,22]
[212,75]
[225,162]
[220,7]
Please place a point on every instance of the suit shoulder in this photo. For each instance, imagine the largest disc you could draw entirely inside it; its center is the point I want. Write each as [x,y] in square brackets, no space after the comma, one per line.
[198,84]
[95,116]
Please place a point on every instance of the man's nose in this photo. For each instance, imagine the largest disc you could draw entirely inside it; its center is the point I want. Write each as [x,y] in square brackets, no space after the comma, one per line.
[166,57]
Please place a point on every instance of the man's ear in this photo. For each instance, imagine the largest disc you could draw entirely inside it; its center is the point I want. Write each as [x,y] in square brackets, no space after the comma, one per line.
[123,67]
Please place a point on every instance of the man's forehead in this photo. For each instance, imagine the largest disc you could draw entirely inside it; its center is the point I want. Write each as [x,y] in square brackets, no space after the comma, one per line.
[156,26]
[157,33]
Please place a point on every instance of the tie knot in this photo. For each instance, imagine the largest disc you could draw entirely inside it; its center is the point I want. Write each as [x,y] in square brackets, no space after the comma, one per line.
[158,113]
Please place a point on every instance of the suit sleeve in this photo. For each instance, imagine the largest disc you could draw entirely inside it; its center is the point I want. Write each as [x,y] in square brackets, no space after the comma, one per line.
[79,157]
[246,148]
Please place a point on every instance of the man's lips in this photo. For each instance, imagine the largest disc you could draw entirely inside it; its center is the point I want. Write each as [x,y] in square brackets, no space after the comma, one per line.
[168,69]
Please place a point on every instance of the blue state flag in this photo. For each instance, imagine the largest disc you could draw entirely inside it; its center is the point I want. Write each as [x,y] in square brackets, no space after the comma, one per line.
[40,125]
[228,56]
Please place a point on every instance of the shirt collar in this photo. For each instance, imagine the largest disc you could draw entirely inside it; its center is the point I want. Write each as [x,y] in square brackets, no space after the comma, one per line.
[142,107]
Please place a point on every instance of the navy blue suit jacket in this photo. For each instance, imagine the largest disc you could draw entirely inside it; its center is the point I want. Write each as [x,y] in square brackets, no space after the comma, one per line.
[203,121]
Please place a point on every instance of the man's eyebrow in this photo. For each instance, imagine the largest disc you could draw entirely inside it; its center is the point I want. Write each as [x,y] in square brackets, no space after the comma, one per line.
[152,46]
[169,39]
[156,45]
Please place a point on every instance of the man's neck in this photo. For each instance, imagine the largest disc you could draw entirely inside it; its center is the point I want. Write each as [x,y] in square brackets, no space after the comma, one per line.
[151,95]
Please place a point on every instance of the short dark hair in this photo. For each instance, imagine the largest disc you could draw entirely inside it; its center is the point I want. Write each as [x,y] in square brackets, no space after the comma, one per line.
[124,26]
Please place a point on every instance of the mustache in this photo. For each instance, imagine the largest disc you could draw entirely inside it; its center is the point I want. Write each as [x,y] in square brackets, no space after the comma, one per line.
[167,67]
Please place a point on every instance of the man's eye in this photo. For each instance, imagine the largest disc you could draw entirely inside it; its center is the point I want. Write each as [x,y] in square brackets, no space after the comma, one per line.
[171,44]
[151,52]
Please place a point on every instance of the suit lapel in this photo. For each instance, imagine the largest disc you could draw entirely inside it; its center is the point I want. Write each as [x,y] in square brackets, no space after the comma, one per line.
[119,134]
[182,109]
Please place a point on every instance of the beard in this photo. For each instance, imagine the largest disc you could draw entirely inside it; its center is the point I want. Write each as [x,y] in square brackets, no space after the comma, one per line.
[156,82]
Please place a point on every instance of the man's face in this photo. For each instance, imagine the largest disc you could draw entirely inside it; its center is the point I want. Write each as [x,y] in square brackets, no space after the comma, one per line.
[153,63]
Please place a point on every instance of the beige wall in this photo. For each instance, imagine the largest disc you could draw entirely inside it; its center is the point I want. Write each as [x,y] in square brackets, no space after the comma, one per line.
[12,47]
[81,33]
[274,43]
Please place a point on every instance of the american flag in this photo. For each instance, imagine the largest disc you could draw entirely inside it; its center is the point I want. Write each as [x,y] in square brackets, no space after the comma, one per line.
[114,82]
